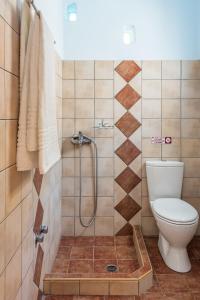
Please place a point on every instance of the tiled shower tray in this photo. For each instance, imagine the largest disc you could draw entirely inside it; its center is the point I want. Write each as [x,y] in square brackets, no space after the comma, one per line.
[80,266]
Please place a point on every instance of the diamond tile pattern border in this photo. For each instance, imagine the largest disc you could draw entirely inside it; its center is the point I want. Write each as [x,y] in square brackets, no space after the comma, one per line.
[37,180]
[38,266]
[127,152]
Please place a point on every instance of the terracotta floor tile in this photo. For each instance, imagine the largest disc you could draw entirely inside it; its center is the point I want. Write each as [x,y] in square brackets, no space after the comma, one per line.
[160,267]
[100,265]
[64,252]
[173,283]
[124,240]
[84,241]
[67,241]
[125,252]
[88,298]
[104,252]
[104,241]
[127,266]
[81,266]
[81,253]
[59,297]
[60,266]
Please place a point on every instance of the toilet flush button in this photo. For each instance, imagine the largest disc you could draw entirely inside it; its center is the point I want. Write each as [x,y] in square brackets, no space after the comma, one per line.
[161,140]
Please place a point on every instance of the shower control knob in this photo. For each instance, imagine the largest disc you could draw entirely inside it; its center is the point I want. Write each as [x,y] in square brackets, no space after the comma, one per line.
[44,229]
[39,238]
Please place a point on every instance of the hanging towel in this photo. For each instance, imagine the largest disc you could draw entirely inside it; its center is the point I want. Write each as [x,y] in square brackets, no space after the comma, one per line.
[25,159]
[49,152]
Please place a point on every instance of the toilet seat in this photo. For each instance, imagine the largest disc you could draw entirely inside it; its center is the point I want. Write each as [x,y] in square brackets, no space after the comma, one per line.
[175,211]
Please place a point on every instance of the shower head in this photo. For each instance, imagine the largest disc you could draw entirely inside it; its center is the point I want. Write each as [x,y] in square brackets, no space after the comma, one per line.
[81,139]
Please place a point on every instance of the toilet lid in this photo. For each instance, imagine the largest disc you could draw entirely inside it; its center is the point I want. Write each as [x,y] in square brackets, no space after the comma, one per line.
[175,210]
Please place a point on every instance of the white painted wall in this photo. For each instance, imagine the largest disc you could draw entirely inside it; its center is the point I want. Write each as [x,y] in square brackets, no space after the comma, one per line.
[166,29]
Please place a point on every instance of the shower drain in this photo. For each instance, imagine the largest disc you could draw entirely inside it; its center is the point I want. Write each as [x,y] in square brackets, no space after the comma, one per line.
[111,268]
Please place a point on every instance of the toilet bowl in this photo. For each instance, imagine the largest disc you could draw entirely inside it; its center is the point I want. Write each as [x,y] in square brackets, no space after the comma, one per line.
[176,219]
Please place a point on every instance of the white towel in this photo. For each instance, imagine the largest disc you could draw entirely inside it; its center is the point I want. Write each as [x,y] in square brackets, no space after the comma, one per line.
[49,152]
[26,160]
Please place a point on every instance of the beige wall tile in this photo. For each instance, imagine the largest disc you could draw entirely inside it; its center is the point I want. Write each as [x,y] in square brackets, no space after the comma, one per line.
[67,148]
[84,69]
[82,231]
[190,89]
[2,95]
[105,167]
[85,89]
[68,206]
[11,140]
[150,150]
[87,206]
[13,279]
[103,89]
[151,89]
[11,96]
[190,108]
[151,127]
[86,126]
[13,188]
[105,207]
[84,109]
[104,226]
[68,128]
[27,252]
[68,186]
[105,147]
[2,286]
[103,108]
[171,89]
[104,69]
[105,186]
[2,195]
[68,70]
[190,147]
[171,127]
[104,132]
[190,128]
[192,167]
[12,14]
[2,144]
[2,247]
[190,69]
[87,187]
[171,69]
[27,289]
[68,167]
[87,166]
[68,89]
[26,183]
[171,109]
[149,226]
[2,40]
[13,235]
[151,69]
[146,208]
[173,149]
[151,108]
[11,50]
[68,108]
[68,226]
[191,187]
[27,214]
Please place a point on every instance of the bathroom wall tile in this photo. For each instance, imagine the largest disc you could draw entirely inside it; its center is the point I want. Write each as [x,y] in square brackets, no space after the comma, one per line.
[67,148]
[171,109]
[105,207]
[68,127]
[68,69]
[68,226]
[3,195]
[151,69]
[11,140]
[105,147]
[13,279]
[85,89]
[68,206]
[119,111]
[2,144]
[136,111]
[191,187]
[190,89]
[68,186]
[190,147]
[171,127]
[151,89]
[191,167]
[27,252]
[103,108]
[27,214]
[190,69]
[11,50]
[128,124]
[2,95]
[68,167]
[149,226]
[27,289]
[119,83]
[85,125]
[13,188]
[12,14]
[150,150]
[105,186]
[104,69]
[13,235]
[190,128]
[68,89]
[172,150]
[127,69]
[84,109]
[80,230]
[146,208]
[127,152]
[2,286]
[127,96]
[171,69]
[171,89]
[151,108]
[2,247]
[2,40]
[106,167]
[104,132]
[68,108]
[38,266]
[87,186]
[26,183]
[87,166]
[104,226]
[103,89]
[87,206]
[190,108]
[151,127]
[84,69]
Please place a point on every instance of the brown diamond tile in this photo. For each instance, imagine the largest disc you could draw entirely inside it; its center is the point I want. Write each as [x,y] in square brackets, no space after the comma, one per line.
[37,180]
[127,152]
[38,217]
[126,230]
[128,208]
[39,297]
[127,124]
[127,96]
[128,69]
[38,266]
[127,180]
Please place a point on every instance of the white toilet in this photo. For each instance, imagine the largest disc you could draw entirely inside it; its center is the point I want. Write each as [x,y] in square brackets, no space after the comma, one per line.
[176,219]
